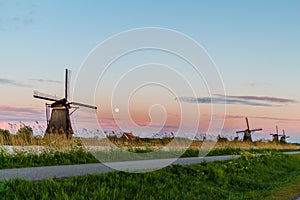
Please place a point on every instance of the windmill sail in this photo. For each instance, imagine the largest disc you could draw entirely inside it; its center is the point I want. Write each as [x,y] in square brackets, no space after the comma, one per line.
[67,83]
[47,113]
[44,96]
[83,105]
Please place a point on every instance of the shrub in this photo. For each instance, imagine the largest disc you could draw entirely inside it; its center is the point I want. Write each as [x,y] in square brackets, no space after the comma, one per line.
[5,134]
[25,133]
[222,139]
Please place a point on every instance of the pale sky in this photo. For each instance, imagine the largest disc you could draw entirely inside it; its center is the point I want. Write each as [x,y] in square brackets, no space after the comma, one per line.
[254,44]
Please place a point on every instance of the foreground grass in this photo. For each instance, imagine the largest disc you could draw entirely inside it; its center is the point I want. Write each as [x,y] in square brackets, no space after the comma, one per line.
[286,191]
[250,177]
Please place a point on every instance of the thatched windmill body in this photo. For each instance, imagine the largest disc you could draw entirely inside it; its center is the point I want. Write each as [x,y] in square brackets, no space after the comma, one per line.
[59,122]
[275,135]
[283,137]
[248,132]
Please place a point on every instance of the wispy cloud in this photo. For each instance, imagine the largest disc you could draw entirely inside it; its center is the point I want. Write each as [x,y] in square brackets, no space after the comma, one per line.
[23,15]
[265,101]
[11,113]
[259,84]
[18,109]
[221,100]
[260,98]
[259,117]
[46,81]
[4,81]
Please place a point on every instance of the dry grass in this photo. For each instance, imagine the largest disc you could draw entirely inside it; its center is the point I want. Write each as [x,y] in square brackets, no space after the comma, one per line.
[255,145]
[61,141]
[48,140]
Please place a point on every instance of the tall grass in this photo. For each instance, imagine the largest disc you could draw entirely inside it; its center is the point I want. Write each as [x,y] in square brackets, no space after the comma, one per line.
[24,137]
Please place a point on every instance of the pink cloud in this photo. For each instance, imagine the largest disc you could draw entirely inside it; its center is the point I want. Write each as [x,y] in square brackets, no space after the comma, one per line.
[4,108]
[264,101]
[9,113]
[12,117]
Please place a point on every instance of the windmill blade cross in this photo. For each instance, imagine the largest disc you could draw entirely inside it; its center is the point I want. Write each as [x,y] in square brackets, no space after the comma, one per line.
[47,113]
[83,105]
[258,129]
[240,132]
[67,83]
[44,96]
[247,123]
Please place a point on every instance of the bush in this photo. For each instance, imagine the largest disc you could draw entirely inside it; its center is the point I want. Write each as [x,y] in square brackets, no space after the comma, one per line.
[222,139]
[5,134]
[25,133]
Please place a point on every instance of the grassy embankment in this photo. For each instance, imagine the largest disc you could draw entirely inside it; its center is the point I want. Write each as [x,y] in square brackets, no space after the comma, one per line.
[57,150]
[79,155]
[250,177]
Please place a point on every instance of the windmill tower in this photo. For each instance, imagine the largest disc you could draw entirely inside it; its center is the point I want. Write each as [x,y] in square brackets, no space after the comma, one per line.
[283,137]
[248,132]
[59,121]
[275,135]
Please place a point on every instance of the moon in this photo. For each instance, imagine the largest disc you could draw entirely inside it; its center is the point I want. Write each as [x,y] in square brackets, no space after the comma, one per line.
[117,110]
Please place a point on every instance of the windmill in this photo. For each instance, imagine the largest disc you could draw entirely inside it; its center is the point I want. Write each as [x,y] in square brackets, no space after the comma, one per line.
[236,138]
[59,121]
[275,135]
[284,137]
[248,132]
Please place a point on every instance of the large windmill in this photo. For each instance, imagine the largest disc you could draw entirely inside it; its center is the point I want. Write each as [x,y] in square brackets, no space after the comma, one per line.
[284,137]
[59,121]
[275,135]
[248,132]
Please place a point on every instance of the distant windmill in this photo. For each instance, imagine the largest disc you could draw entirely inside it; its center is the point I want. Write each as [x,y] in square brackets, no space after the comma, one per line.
[248,132]
[284,137]
[60,116]
[275,135]
[237,137]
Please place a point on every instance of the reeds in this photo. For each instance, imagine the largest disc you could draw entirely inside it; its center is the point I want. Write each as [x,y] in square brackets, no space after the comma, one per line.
[24,137]
[50,140]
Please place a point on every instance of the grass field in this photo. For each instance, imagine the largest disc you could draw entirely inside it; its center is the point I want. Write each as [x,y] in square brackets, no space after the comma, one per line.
[250,177]
[79,155]
[271,176]
[57,150]
[24,137]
